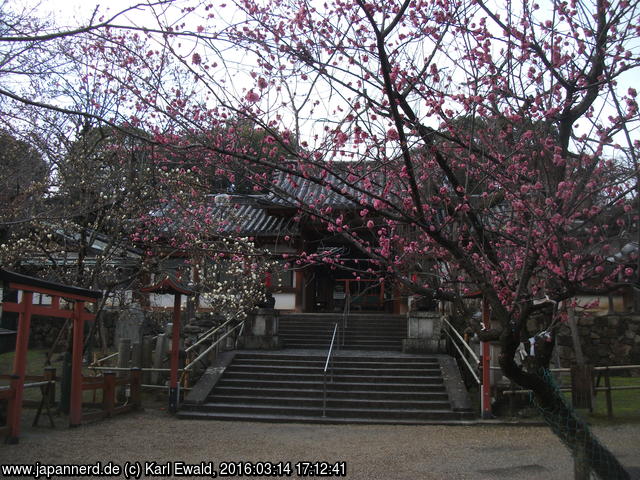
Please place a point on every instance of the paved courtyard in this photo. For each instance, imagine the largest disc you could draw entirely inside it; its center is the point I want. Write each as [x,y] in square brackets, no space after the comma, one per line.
[155,439]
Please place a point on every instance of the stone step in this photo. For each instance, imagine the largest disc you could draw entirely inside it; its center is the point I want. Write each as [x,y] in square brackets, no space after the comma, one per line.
[367,387]
[387,413]
[315,401]
[369,333]
[285,327]
[350,323]
[337,369]
[326,341]
[333,391]
[342,378]
[339,357]
[311,344]
[317,384]
[338,362]
[375,317]
[461,419]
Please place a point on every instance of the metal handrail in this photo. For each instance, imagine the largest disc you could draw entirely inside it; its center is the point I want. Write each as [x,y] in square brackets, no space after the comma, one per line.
[240,333]
[205,336]
[214,344]
[28,385]
[128,369]
[326,367]
[104,359]
[208,334]
[469,350]
[115,354]
[460,352]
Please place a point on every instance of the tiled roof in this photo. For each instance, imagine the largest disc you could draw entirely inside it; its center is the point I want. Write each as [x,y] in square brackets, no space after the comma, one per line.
[246,215]
[287,190]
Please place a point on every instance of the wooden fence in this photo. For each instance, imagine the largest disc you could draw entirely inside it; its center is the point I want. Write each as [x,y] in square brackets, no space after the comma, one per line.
[107,384]
[603,373]
[111,405]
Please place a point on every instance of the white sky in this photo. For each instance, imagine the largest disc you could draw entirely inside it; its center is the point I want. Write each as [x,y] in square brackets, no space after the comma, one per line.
[75,12]
[69,13]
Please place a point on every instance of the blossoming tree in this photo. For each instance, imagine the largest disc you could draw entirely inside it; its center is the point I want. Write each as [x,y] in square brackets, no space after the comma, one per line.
[498,142]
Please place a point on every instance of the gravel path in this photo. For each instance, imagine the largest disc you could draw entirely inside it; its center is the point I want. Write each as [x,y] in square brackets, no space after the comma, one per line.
[370,452]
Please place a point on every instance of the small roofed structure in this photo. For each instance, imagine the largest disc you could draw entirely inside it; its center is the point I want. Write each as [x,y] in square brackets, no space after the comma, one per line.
[25,309]
[171,285]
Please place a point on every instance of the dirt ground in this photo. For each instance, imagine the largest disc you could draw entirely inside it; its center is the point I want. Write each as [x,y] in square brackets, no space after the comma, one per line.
[152,443]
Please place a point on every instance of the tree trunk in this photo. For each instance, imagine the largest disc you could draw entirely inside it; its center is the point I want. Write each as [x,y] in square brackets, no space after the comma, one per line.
[588,452]
[558,414]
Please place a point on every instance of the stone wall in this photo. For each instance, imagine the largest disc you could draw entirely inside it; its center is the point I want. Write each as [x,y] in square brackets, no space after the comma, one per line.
[606,340]
[130,323]
[44,331]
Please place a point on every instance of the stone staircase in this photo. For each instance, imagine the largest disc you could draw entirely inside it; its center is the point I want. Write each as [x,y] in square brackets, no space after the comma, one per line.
[372,381]
[367,387]
[362,332]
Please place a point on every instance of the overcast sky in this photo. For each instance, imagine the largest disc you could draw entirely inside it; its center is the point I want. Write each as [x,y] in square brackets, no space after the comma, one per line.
[73,12]
[67,13]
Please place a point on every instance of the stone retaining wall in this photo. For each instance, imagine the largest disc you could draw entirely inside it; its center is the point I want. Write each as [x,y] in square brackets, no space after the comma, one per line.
[606,340]
[127,323]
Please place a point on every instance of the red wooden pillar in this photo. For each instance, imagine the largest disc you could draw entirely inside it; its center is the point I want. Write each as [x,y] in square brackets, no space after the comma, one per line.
[75,404]
[486,364]
[20,366]
[175,350]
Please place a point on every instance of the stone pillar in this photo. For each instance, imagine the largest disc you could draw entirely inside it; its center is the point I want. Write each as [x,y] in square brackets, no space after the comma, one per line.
[129,324]
[423,333]
[261,331]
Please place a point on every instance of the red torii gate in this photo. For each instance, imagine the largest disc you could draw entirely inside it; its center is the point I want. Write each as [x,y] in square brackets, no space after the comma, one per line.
[25,309]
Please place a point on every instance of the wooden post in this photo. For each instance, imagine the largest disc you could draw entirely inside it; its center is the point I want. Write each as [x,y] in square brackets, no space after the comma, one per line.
[48,396]
[75,410]
[109,393]
[50,376]
[582,386]
[19,367]
[175,351]
[147,354]
[136,382]
[486,364]
[575,336]
[607,384]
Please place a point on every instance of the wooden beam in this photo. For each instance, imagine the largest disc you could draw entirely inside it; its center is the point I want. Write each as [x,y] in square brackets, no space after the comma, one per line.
[50,292]
[44,311]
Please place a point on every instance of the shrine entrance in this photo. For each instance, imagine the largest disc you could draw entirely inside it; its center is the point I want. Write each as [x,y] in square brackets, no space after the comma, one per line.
[330,291]
[364,294]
